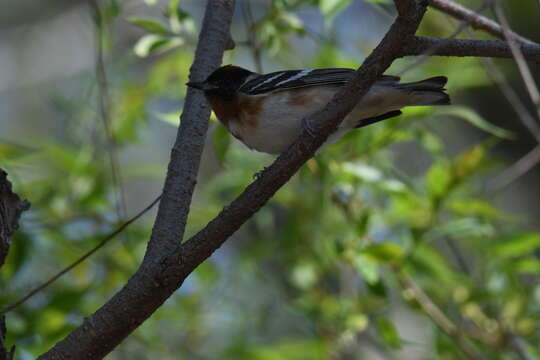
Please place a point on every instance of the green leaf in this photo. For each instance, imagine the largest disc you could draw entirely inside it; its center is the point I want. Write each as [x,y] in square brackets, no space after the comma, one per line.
[150,25]
[388,332]
[290,349]
[438,180]
[330,8]
[149,43]
[517,245]
[221,140]
[475,207]
[429,262]
[468,162]
[362,171]
[384,252]
[367,267]
[153,43]
[475,119]
[464,228]
[304,276]
[172,118]
[526,266]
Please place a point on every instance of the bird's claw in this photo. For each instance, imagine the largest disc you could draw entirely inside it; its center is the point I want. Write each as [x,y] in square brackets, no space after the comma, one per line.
[306,125]
[258,174]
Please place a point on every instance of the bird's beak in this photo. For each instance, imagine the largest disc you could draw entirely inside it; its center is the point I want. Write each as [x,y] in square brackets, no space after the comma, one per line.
[201,85]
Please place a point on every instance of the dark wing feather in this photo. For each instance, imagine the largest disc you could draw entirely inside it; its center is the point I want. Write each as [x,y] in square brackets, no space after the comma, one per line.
[291,79]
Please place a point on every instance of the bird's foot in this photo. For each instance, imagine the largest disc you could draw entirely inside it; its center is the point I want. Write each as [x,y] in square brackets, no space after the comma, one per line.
[306,125]
[258,174]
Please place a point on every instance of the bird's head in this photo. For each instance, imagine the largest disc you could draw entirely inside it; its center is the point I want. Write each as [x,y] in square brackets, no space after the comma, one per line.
[223,83]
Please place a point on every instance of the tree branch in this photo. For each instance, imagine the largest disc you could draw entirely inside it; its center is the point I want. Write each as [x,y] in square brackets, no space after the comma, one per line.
[437,315]
[324,122]
[150,286]
[82,258]
[420,45]
[166,263]
[11,208]
[476,21]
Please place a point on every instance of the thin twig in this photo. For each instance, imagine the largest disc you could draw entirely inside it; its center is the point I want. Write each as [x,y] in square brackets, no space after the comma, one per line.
[516,170]
[102,243]
[430,51]
[474,19]
[438,316]
[521,110]
[104,110]
[250,33]
[524,70]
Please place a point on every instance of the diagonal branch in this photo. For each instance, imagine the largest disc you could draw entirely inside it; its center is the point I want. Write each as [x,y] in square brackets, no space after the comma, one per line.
[204,243]
[519,58]
[166,263]
[149,287]
[475,20]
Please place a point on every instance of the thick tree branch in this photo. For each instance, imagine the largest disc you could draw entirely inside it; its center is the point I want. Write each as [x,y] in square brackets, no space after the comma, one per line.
[204,243]
[476,21]
[150,286]
[11,208]
[166,263]
[420,45]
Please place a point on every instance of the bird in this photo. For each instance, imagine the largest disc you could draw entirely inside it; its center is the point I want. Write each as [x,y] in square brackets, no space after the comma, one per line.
[267,112]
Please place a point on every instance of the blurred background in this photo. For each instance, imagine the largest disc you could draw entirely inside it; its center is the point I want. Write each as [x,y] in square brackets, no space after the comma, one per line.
[433,209]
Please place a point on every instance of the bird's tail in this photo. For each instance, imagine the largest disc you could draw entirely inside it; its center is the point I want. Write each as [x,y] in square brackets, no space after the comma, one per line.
[427,92]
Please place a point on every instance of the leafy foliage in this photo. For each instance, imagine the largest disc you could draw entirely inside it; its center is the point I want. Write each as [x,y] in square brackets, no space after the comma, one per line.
[316,273]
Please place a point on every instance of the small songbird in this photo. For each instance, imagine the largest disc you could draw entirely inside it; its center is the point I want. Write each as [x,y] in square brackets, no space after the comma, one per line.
[266,111]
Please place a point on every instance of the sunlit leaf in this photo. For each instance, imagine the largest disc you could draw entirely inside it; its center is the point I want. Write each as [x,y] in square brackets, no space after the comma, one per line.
[290,349]
[330,8]
[475,207]
[464,228]
[384,252]
[517,245]
[367,267]
[526,266]
[170,118]
[304,276]
[388,332]
[438,180]
[468,162]
[475,119]
[150,25]
[362,171]
[153,43]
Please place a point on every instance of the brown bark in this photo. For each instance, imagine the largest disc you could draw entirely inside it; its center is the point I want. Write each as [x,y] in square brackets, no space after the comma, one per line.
[11,208]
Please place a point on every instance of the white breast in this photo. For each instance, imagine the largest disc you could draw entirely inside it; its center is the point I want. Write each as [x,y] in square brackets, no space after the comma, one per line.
[280,120]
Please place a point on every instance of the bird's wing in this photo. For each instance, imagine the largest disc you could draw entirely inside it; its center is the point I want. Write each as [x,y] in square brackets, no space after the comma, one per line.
[290,79]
